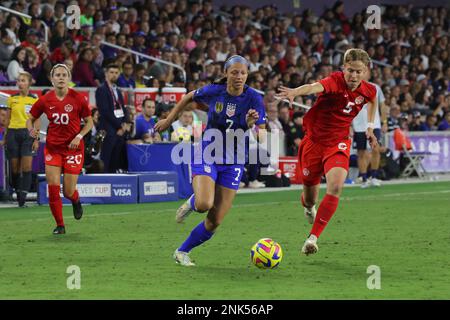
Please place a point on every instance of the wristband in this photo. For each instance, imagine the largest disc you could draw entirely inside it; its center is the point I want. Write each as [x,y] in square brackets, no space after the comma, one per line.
[371,125]
[79,136]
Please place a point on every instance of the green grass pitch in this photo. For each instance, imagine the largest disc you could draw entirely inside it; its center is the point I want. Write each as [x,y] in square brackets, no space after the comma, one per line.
[125,251]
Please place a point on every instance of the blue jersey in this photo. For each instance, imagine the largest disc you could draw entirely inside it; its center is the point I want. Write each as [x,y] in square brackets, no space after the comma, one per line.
[229,112]
[143,126]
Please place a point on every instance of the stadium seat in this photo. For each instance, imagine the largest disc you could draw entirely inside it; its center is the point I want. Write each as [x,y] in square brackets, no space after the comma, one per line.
[415,162]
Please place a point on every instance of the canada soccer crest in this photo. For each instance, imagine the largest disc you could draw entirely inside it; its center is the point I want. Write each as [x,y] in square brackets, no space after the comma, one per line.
[359,100]
[68,108]
[219,107]
[231,109]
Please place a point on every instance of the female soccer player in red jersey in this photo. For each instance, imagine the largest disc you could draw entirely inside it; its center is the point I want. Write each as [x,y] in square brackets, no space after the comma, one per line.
[64,148]
[326,146]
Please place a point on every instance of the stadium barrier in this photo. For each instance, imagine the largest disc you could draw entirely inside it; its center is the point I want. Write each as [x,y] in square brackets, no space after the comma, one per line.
[157,157]
[289,166]
[437,143]
[3,182]
[119,188]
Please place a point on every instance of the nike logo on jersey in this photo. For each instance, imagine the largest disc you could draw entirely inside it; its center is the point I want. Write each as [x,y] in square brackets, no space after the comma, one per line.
[52,107]
[235,184]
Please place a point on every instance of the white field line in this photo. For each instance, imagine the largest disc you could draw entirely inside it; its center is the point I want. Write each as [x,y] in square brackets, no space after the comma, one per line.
[258,204]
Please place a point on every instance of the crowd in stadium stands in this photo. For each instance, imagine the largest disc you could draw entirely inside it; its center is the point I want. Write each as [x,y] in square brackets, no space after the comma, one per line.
[412,51]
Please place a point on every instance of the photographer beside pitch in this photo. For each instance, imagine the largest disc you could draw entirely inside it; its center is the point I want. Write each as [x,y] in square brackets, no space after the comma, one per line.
[231,105]
[327,142]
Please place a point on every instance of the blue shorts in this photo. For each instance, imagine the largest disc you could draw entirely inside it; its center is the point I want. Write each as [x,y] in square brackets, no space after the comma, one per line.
[360,140]
[225,175]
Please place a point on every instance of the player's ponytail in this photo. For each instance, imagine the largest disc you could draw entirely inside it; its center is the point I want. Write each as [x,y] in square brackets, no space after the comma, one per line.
[222,80]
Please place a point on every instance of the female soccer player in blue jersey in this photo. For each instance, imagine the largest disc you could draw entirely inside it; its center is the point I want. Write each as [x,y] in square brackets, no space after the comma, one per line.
[231,105]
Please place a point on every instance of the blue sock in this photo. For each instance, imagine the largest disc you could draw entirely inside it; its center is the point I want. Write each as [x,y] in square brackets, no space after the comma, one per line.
[375,173]
[192,202]
[370,173]
[198,235]
[363,176]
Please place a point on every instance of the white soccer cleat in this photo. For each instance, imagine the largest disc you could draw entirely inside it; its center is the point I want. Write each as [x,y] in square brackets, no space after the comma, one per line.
[183,212]
[310,214]
[375,182]
[256,184]
[310,246]
[365,184]
[183,258]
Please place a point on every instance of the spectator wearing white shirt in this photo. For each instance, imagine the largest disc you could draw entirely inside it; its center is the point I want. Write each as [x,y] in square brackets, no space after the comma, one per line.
[15,66]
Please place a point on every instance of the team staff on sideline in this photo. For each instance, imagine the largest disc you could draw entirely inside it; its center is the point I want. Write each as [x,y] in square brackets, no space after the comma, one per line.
[113,117]
[19,144]
[231,105]
[369,158]
[64,148]
[326,145]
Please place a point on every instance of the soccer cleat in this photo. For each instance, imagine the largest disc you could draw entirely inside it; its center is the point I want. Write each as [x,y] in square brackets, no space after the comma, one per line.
[59,230]
[241,185]
[183,258]
[256,184]
[183,212]
[310,246]
[375,182]
[77,210]
[365,184]
[310,214]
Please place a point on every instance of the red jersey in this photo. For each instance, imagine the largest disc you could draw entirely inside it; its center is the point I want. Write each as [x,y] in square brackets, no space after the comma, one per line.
[328,121]
[64,118]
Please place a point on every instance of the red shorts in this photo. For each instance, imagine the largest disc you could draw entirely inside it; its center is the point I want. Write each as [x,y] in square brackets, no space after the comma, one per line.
[71,162]
[316,159]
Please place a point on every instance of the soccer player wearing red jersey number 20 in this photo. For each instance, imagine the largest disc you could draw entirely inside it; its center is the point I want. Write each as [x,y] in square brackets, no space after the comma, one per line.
[326,146]
[64,149]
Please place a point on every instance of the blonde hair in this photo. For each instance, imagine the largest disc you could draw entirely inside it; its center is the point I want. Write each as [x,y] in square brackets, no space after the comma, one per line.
[355,54]
[27,75]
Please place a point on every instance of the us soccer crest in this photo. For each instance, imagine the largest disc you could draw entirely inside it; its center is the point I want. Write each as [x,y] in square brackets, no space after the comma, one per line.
[231,109]
[219,107]
[68,108]
[359,100]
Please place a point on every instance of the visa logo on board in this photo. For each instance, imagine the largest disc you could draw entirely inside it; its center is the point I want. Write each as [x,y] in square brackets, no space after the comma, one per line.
[122,192]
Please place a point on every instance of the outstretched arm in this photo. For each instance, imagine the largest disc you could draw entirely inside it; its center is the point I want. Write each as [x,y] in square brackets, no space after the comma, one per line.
[304,90]
[163,124]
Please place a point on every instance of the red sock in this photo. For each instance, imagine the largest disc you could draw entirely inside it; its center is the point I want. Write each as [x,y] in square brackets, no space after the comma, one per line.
[75,197]
[326,210]
[55,202]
